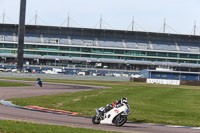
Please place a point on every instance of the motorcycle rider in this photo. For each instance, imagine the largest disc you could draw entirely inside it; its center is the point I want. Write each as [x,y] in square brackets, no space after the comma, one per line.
[117,103]
[39,82]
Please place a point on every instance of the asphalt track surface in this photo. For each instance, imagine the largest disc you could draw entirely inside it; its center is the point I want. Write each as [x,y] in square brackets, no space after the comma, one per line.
[12,113]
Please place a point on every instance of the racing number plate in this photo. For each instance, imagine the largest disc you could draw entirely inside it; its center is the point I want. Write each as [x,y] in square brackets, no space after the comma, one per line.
[117,111]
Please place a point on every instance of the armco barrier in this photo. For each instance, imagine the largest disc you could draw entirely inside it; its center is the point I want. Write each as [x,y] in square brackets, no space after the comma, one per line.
[193,83]
[139,79]
[62,76]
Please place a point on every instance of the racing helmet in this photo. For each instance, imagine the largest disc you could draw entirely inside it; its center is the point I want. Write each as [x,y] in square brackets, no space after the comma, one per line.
[124,100]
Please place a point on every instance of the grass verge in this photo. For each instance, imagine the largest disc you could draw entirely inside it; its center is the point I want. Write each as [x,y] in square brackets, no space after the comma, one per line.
[175,105]
[12,84]
[24,127]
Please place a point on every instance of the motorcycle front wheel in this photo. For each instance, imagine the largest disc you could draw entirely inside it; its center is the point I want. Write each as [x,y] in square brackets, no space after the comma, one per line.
[120,120]
[95,120]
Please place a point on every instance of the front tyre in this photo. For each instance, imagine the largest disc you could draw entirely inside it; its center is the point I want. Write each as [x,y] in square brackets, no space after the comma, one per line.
[95,120]
[120,120]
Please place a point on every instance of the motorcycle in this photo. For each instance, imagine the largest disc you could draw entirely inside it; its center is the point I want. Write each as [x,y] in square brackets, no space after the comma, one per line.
[39,82]
[116,116]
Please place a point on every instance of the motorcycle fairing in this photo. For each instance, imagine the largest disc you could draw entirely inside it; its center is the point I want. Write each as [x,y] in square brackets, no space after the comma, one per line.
[110,115]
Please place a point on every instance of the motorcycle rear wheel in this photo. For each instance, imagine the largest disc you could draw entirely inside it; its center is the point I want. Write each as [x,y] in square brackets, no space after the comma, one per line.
[40,85]
[120,120]
[95,120]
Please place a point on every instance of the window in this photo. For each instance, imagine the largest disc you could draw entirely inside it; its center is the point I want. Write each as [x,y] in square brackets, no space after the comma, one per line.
[2,38]
[29,52]
[142,46]
[183,76]
[195,62]
[182,61]
[119,51]
[172,54]
[96,56]
[193,49]
[137,53]
[177,76]
[53,48]
[108,51]
[86,50]
[5,51]
[161,60]
[157,75]
[88,42]
[162,54]
[64,54]
[54,41]
[193,56]
[151,53]
[107,57]
[64,48]
[30,46]
[143,53]
[85,55]
[171,60]
[42,47]
[184,55]
[150,59]
[74,55]
[97,50]
[1,45]
[54,54]
[129,52]
[9,45]
[75,49]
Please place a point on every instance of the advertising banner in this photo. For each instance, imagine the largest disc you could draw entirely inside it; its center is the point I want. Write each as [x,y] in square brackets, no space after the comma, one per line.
[164,81]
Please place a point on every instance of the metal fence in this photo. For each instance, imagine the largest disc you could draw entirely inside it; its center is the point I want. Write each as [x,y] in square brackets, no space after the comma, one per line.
[62,76]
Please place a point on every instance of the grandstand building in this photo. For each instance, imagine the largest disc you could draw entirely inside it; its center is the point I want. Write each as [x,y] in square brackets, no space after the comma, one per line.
[112,49]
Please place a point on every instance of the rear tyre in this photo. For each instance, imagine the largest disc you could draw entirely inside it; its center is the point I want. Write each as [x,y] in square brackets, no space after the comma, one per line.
[95,120]
[40,85]
[120,120]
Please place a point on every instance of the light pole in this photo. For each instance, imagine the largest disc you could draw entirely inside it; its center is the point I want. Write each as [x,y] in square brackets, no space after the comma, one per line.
[21,32]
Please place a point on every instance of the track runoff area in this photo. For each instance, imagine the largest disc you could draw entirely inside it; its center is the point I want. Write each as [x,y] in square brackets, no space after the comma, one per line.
[68,118]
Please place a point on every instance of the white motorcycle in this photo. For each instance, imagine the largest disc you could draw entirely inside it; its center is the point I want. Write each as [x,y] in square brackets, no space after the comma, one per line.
[116,116]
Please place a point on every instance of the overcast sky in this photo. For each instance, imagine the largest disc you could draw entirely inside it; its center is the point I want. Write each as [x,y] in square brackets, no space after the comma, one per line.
[117,14]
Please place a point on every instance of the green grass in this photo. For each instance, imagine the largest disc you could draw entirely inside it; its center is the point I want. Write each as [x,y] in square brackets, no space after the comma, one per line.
[24,127]
[12,84]
[176,105]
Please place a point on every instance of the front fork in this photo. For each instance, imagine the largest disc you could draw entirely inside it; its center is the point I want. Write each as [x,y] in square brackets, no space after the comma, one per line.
[98,114]
[97,111]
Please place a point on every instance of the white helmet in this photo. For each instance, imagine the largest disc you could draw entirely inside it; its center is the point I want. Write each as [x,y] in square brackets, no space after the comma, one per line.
[124,100]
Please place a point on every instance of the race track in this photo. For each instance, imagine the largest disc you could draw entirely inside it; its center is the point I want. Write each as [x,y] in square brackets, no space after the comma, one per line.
[12,113]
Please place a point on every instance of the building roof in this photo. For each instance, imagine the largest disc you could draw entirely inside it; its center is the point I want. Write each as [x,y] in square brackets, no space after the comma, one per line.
[103,33]
[164,71]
